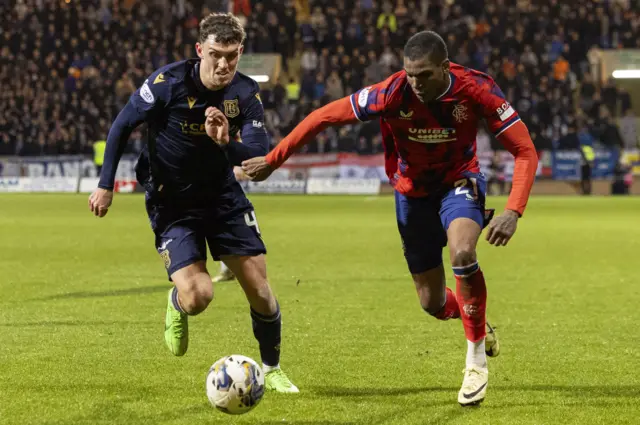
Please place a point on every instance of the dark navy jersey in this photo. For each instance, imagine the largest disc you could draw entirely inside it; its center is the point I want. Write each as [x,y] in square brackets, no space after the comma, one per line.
[179,160]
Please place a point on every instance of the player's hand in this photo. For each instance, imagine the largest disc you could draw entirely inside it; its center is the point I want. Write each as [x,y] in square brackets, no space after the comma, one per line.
[257,169]
[239,174]
[217,126]
[100,201]
[502,228]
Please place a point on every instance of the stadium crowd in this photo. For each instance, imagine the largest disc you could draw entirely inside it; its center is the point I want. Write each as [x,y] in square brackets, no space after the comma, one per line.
[67,67]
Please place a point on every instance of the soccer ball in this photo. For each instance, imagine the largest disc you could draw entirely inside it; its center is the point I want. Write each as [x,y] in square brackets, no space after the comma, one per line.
[235,384]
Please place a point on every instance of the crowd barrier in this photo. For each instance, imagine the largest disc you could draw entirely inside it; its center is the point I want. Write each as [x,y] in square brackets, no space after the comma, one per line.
[334,173]
[556,165]
[316,186]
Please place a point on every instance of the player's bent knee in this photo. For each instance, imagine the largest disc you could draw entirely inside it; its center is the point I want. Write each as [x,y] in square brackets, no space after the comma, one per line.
[430,286]
[463,257]
[195,295]
[432,304]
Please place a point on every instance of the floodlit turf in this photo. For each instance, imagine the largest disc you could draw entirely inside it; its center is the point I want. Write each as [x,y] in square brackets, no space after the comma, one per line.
[83,300]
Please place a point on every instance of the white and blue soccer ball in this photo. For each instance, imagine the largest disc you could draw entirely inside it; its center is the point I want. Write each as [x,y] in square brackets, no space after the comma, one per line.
[235,384]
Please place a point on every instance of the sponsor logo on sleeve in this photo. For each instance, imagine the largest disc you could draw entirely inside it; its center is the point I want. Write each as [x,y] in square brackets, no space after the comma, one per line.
[363,97]
[505,111]
[145,93]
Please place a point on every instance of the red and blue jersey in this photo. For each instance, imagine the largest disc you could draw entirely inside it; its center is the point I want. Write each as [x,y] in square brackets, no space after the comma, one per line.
[428,145]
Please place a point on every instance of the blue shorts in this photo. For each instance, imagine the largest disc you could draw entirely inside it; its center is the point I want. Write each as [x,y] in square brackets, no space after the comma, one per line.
[423,222]
[182,236]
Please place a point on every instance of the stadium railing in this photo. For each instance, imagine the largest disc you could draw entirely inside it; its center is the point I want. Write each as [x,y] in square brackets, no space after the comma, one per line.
[306,173]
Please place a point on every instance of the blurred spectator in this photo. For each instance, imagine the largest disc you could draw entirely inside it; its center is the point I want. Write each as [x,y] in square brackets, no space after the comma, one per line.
[561,69]
[622,179]
[629,130]
[497,182]
[387,19]
[67,68]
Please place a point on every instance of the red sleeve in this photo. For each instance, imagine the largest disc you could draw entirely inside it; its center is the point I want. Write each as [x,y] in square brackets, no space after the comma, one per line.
[517,141]
[379,99]
[335,113]
[504,122]
[364,105]
[494,108]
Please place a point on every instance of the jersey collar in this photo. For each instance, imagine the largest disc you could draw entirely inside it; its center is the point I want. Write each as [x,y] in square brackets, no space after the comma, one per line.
[448,91]
[196,78]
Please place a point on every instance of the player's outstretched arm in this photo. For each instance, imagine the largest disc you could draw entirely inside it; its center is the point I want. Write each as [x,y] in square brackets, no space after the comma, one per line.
[140,106]
[128,119]
[335,113]
[517,141]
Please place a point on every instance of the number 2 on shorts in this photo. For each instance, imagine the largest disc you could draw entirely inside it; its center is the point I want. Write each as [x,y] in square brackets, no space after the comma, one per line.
[462,189]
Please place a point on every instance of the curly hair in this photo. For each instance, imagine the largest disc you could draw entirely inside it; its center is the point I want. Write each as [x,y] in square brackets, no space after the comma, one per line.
[225,28]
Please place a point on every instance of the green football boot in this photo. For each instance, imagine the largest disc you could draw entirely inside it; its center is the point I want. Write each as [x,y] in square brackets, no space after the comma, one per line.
[176,329]
[276,380]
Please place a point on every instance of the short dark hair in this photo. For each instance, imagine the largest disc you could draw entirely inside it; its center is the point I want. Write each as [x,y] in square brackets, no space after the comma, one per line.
[426,43]
[225,27]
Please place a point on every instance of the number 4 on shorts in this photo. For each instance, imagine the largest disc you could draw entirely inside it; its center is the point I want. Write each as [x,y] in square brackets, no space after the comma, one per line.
[251,220]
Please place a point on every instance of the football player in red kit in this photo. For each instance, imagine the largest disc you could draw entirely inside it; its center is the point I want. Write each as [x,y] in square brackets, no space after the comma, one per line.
[429,115]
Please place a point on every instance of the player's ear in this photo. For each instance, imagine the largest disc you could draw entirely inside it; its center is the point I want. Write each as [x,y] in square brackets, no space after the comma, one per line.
[199,50]
[240,50]
[446,66]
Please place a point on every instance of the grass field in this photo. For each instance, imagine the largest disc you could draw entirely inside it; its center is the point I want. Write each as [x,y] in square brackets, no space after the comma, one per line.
[82,316]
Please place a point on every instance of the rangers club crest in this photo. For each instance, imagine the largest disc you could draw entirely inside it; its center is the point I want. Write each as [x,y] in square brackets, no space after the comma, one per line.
[460,113]
[231,108]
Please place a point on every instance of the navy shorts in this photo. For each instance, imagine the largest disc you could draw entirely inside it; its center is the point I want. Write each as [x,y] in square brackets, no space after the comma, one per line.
[423,221]
[181,237]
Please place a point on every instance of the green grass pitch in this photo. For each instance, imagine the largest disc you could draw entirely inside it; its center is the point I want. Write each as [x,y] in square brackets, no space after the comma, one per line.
[83,299]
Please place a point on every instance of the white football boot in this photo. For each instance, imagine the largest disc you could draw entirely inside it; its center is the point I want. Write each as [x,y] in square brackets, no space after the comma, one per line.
[474,386]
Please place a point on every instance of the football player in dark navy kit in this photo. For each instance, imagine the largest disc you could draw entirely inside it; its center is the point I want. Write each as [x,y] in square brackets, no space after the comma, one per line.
[192,198]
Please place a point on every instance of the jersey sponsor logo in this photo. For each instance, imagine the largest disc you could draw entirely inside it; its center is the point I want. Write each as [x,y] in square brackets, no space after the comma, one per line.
[191,101]
[159,79]
[432,135]
[145,93]
[231,108]
[363,97]
[193,129]
[460,113]
[406,115]
[505,111]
